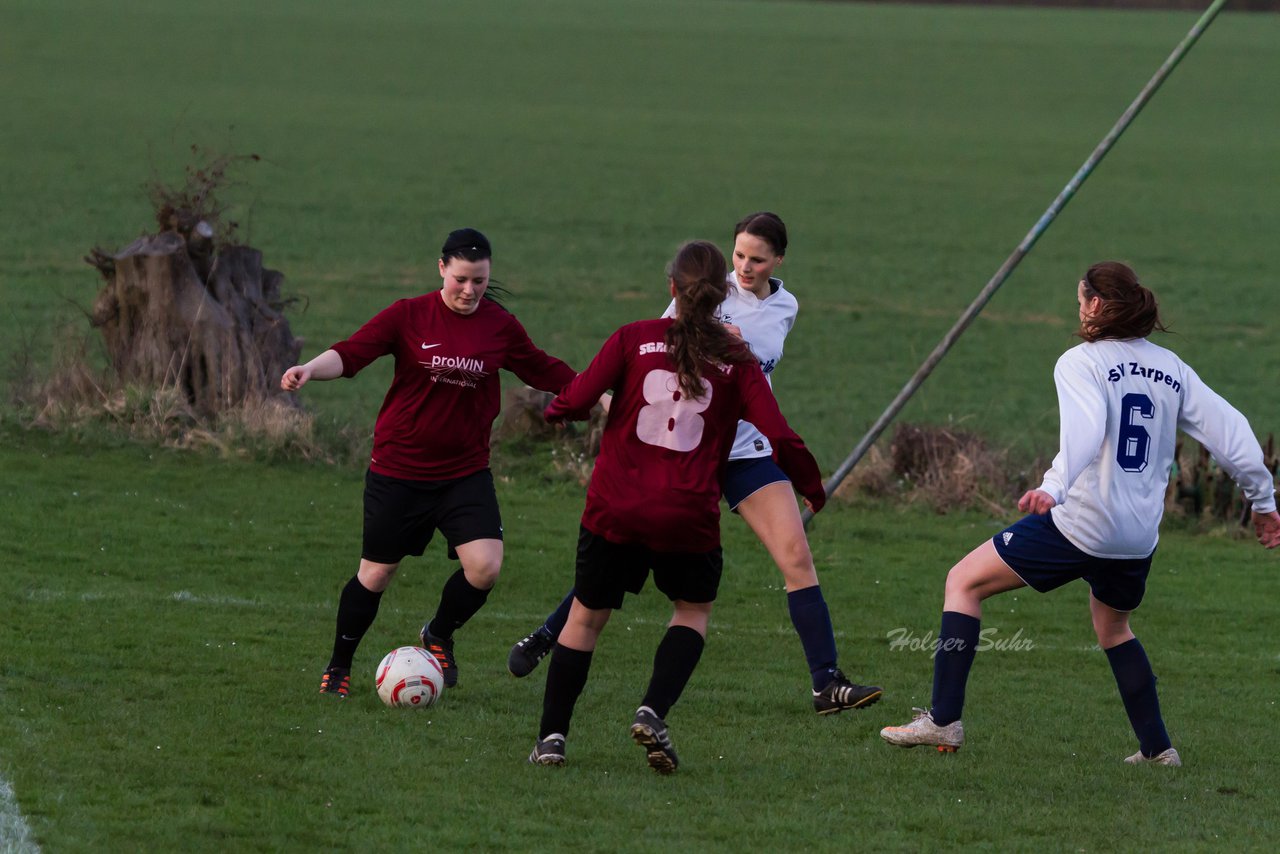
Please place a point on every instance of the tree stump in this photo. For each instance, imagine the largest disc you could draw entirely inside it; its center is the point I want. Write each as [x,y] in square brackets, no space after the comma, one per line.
[522,417]
[175,311]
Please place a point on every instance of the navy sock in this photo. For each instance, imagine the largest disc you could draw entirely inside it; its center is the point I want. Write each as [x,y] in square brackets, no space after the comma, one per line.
[812,620]
[560,616]
[357,607]
[459,602]
[1137,684]
[566,677]
[673,663]
[952,658]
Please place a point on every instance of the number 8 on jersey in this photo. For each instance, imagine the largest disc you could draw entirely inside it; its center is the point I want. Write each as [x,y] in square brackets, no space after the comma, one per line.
[671,420]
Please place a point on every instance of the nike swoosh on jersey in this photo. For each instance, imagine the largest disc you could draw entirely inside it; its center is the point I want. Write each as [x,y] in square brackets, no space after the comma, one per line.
[429,346]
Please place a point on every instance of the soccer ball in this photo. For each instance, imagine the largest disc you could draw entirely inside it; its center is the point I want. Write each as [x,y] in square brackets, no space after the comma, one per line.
[409,678]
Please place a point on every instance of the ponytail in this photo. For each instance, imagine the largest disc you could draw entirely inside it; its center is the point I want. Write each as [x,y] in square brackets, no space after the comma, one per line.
[697,338]
[1128,309]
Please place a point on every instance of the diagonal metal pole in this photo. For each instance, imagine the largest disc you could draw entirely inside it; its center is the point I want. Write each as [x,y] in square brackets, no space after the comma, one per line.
[984,296]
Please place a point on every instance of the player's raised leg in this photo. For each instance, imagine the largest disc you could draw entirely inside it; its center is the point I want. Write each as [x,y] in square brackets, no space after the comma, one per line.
[533,647]
[462,596]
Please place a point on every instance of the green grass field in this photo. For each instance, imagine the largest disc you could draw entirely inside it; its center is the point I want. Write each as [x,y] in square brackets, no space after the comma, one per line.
[169,612]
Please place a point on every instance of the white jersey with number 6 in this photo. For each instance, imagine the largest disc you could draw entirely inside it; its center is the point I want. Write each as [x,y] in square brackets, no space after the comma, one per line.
[1122,404]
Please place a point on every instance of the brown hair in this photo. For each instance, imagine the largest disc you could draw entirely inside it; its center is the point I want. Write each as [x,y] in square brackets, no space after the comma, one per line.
[767,226]
[697,337]
[1128,309]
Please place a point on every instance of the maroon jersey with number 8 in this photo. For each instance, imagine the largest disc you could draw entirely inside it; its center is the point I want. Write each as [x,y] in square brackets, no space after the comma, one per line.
[657,479]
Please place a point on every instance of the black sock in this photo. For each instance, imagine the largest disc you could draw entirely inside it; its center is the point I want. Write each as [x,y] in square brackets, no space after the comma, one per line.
[1137,684]
[566,677]
[952,658]
[357,606]
[459,602]
[673,663]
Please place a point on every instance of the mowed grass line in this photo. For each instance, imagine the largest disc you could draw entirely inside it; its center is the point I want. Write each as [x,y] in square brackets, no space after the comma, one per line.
[159,685]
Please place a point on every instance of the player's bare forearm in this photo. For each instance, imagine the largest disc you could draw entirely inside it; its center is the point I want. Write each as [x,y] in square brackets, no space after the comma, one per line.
[326,366]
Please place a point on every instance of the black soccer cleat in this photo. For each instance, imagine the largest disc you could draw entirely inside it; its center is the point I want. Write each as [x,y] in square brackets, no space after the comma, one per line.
[336,681]
[548,751]
[442,650]
[650,732]
[525,655]
[841,694]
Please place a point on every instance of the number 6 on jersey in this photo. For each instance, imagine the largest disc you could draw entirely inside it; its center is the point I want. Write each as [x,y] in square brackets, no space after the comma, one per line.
[1135,441]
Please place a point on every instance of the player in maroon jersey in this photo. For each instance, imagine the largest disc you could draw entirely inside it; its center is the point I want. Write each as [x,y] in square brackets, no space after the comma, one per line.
[680,385]
[430,465]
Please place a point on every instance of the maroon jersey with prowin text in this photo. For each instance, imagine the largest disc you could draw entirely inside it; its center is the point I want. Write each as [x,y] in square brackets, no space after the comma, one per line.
[435,420]
[657,479]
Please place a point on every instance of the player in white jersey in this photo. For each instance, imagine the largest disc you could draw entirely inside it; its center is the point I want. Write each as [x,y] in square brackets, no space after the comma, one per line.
[762,311]
[1096,515]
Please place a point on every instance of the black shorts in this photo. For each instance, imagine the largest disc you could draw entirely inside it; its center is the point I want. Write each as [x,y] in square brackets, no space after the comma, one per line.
[400,516]
[1038,554]
[606,571]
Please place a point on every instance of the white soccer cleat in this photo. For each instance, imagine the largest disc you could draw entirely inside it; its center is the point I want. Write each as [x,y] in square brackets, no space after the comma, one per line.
[922,730]
[1167,757]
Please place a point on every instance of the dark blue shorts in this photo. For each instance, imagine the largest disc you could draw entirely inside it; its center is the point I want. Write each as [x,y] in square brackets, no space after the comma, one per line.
[1038,554]
[744,477]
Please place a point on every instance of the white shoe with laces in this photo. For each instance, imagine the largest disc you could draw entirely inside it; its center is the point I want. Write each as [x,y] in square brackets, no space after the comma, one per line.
[1165,757]
[922,730]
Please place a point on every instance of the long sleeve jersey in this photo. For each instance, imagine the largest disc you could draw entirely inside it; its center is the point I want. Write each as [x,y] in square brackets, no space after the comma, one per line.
[1121,405]
[435,421]
[657,479]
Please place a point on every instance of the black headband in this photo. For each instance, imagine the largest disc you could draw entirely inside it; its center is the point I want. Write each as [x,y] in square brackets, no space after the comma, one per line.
[466,239]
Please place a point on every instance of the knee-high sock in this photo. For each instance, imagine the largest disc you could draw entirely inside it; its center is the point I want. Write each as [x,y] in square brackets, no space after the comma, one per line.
[812,619]
[459,602]
[673,664]
[357,607]
[1137,684]
[566,677]
[556,620]
[953,656]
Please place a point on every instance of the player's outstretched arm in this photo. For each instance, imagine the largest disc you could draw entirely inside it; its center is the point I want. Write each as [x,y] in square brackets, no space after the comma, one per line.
[574,402]
[1267,527]
[326,366]
[1036,501]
